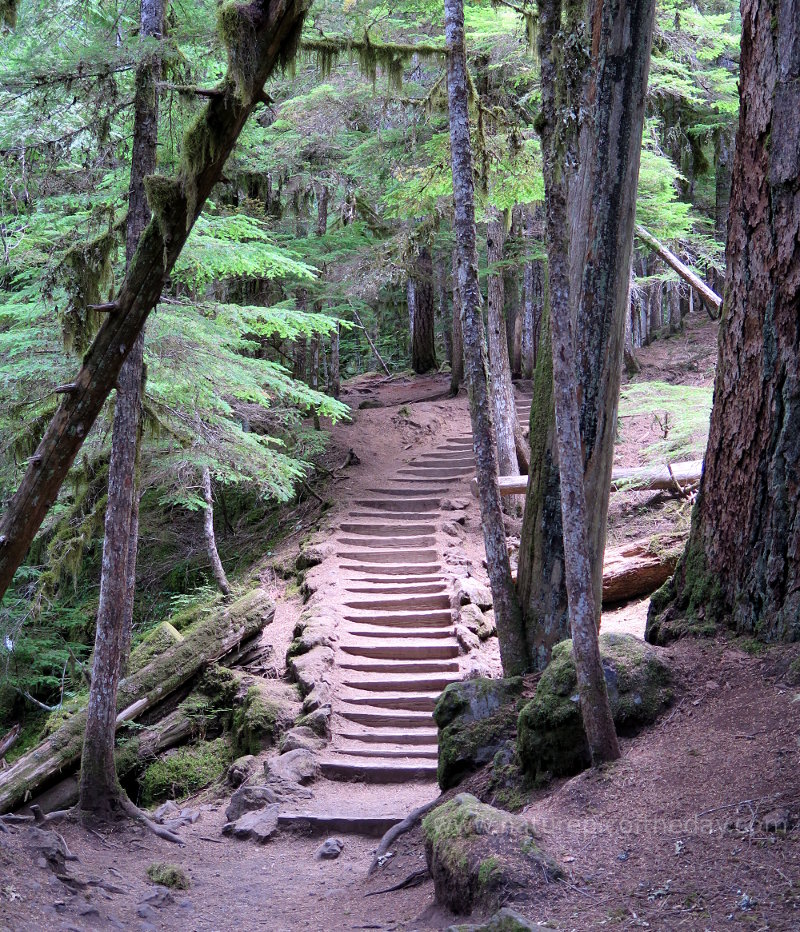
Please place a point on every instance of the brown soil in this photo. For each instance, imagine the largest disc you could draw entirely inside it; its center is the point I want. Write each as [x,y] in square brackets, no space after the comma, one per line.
[671,837]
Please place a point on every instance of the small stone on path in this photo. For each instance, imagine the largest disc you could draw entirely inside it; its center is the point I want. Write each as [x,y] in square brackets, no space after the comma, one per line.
[330,849]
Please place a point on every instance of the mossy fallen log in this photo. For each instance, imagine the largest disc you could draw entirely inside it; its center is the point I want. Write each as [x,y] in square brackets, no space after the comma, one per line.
[208,641]
[638,568]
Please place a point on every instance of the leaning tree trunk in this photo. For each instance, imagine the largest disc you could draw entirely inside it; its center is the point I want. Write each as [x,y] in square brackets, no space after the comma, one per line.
[742,562]
[422,311]
[99,787]
[270,31]
[506,605]
[583,603]
[211,539]
[504,411]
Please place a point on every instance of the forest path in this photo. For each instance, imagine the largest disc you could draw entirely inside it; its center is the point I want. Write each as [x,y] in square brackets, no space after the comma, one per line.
[396,561]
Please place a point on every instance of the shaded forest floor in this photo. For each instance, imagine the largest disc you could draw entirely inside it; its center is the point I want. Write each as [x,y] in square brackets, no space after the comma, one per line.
[695,828]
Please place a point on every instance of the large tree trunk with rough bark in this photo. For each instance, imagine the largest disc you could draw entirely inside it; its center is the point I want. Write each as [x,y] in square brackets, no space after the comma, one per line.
[422,312]
[506,605]
[742,562]
[506,424]
[99,788]
[583,604]
[600,245]
[270,31]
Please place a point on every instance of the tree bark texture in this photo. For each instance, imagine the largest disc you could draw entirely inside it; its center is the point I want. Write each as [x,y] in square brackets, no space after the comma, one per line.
[457,365]
[513,651]
[270,31]
[584,606]
[99,787]
[211,540]
[742,562]
[422,313]
[506,424]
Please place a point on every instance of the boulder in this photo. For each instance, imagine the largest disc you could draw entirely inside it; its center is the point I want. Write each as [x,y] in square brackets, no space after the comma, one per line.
[480,856]
[476,718]
[317,629]
[260,825]
[471,590]
[248,798]
[241,769]
[300,737]
[454,529]
[311,556]
[480,623]
[308,669]
[504,920]
[467,639]
[318,720]
[298,766]
[267,709]
[550,736]
[453,504]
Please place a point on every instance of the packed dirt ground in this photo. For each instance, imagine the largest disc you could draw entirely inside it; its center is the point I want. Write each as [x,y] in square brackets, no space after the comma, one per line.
[695,828]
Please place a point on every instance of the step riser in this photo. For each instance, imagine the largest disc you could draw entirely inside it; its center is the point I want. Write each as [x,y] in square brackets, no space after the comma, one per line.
[388,530]
[406,704]
[407,604]
[401,686]
[387,543]
[402,505]
[427,633]
[389,570]
[393,556]
[434,620]
[387,754]
[356,773]
[418,739]
[409,666]
[387,719]
[418,589]
[402,651]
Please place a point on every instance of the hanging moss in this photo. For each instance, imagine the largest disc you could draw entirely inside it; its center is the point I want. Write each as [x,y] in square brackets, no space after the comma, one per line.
[238,34]
[85,272]
[166,198]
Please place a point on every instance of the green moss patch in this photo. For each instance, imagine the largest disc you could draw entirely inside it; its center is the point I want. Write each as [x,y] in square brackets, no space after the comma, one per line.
[266,712]
[168,875]
[185,770]
[550,736]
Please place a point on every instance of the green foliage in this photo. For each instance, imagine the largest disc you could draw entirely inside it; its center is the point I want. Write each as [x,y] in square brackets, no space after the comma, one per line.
[184,771]
[169,875]
[681,413]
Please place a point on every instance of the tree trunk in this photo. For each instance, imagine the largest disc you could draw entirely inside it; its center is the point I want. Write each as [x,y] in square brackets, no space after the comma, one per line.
[272,31]
[443,311]
[211,540]
[322,209]
[723,163]
[99,787]
[504,410]
[532,290]
[656,301]
[628,356]
[506,605]
[582,602]
[335,381]
[421,310]
[674,301]
[742,562]
[457,365]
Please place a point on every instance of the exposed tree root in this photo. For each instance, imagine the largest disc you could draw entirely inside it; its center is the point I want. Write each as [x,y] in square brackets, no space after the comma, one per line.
[137,815]
[396,831]
[414,879]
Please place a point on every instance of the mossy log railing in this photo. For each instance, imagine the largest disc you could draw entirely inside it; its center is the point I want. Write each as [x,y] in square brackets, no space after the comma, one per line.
[207,642]
[677,476]
[257,35]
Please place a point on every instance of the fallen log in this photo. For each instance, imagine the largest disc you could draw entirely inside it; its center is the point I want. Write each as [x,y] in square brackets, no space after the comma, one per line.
[638,568]
[675,477]
[8,741]
[208,641]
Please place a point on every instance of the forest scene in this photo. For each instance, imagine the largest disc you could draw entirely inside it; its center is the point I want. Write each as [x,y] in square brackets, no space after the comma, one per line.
[399,465]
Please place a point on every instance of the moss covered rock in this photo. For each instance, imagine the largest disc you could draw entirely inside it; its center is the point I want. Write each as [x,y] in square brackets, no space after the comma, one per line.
[266,711]
[504,920]
[480,856]
[475,719]
[550,736]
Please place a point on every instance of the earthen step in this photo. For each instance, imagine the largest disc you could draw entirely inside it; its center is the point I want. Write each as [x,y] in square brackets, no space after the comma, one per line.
[395,515]
[376,631]
[400,504]
[425,682]
[388,530]
[455,472]
[425,702]
[384,580]
[444,453]
[372,826]
[389,736]
[387,718]
[410,588]
[385,543]
[390,556]
[442,462]
[382,667]
[415,481]
[387,752]
[345,768]
[390,570]
[402,603]
[398,650]
[432,619]
[404,493]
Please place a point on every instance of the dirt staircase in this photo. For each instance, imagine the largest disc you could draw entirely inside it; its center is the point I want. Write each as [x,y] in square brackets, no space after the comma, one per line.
[397,648]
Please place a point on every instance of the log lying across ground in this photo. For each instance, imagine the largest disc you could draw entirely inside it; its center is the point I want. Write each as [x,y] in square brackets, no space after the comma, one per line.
[205,643]
[638,568]
[646,479]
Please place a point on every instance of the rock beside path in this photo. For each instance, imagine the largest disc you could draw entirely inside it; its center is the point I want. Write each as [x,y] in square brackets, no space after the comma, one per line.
[504,920]
[260,824]
[248,798]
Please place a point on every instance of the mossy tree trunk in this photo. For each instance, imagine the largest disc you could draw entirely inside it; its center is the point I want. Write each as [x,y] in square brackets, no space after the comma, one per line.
[211,539]
[457,365]
[506,604]
[742,560]
[261,34]
[99,787]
